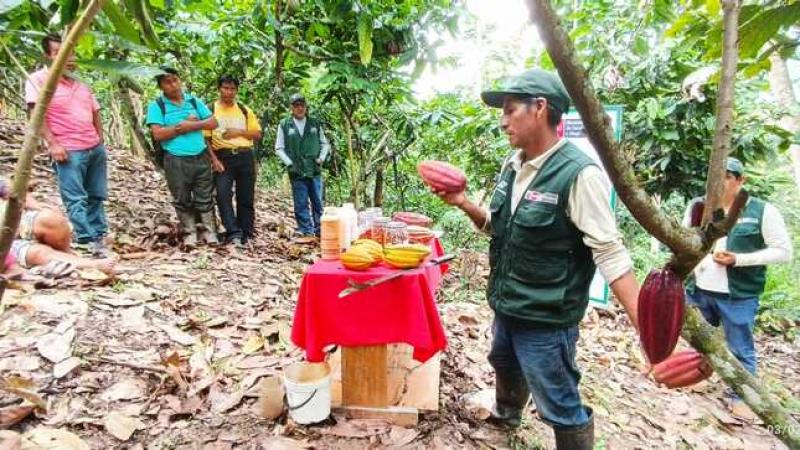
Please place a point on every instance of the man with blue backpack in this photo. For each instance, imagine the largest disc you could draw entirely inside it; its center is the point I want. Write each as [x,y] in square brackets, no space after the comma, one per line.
[177,120]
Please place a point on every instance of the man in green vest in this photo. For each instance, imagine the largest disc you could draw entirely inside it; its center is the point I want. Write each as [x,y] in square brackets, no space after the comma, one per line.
[727,283]
[550,223]
[302,146]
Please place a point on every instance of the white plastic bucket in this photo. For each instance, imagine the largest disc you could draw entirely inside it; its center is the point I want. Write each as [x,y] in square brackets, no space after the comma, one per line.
[308,391]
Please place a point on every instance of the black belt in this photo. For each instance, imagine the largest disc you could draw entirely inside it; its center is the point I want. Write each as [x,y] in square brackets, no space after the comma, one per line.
[197,156]
[232,151]
[721,295]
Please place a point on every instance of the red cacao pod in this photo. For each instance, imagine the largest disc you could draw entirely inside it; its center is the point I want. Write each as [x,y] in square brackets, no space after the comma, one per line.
[696,215]
[684,368]
[442,176]
[412,218]
[661,308]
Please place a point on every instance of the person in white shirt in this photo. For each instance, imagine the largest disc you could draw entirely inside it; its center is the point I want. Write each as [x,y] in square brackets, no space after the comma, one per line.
[728,282]
[303,147]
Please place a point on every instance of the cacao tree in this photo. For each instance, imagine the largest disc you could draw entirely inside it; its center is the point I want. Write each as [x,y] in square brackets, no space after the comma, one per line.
[689,246]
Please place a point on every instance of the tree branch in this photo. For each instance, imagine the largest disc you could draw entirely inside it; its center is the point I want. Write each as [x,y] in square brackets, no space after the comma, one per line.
[562,52]
[724,127]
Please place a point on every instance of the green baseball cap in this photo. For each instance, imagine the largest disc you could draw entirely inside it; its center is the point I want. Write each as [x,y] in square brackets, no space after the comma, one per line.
[535,83]
[733,165]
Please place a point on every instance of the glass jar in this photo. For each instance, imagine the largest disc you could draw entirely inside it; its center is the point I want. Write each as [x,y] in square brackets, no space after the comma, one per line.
[395,233]
[377,229]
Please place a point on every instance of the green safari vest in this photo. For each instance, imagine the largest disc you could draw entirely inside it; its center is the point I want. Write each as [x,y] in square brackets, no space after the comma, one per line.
[302,150]
[745,237]
[540,268]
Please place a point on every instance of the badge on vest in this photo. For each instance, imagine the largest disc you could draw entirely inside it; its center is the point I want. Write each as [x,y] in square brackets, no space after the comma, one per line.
[292,131]
[747,220]
[313,130]
[542,197]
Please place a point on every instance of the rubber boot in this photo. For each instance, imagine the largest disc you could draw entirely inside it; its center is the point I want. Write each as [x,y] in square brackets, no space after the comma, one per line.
[188,226]
[576,438]
[209,223]
[511,398]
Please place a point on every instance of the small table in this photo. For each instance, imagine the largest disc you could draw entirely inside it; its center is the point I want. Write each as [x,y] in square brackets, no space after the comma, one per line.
[372,327]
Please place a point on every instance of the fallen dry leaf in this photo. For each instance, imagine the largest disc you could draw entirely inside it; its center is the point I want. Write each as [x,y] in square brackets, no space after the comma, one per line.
[281,443]
[478,405]
[177,335]
[223,401]
[12,415]
[10,440]
[43,438]
[400,436]
[56,347]
[122,426]
[270,403]
[66,366]
[93,275]
[25,389]
[19,364]
[127,389]
[254,343]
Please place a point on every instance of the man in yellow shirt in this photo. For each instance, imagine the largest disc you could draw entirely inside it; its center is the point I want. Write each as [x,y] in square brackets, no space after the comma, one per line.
[232,160]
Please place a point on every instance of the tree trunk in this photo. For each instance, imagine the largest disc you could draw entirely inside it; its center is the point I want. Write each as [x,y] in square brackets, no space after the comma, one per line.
[22,172]
[781,86]
[688,246]
[279,49]
[377,197]
[141,146]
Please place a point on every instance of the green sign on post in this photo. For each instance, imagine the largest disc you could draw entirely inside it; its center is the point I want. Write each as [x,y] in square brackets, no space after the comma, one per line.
[572,129]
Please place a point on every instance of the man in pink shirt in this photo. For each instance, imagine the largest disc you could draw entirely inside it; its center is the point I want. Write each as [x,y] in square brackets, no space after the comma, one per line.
[74,135]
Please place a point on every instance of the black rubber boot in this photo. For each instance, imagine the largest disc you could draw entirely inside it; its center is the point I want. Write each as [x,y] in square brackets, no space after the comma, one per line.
[576,438]
[511,398]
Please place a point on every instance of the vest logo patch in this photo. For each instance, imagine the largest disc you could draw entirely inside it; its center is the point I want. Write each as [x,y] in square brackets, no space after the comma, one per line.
[313,130]
[747,220]
[542,197]
[502,185]
[292,131]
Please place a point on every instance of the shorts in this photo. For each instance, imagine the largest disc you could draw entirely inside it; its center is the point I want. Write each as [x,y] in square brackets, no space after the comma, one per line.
[19,250]
[25,230]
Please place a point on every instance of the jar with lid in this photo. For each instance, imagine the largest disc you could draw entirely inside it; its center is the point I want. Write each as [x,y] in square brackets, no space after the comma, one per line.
[378,228]
[330,236]
[395,233]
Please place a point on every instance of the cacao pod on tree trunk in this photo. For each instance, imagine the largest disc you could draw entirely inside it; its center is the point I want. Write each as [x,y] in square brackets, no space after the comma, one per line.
[661,309]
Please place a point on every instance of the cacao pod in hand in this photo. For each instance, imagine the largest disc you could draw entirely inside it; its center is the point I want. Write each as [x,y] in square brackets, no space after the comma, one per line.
[661,307]
[412,218]
[696,214]
[442,176]
[684,368]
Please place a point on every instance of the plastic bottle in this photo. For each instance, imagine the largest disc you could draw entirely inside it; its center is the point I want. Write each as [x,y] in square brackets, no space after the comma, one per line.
[352,220]
[330,234]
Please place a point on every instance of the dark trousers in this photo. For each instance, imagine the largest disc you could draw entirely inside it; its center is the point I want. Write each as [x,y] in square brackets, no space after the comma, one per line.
[190,182]
[239,174]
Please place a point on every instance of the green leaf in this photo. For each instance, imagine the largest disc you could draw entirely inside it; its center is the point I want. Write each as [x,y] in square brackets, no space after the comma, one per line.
[122,25]
[157,4]
[365,39]
[764,25]
[8,5]
[68,10]
[140,11]
[121,69]
[713,7]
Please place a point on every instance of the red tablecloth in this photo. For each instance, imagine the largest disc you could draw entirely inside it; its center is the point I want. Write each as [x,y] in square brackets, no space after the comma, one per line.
[400,310]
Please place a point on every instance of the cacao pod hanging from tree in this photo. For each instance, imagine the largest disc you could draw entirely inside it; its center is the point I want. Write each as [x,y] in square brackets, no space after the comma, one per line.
[684,368]
[661,308]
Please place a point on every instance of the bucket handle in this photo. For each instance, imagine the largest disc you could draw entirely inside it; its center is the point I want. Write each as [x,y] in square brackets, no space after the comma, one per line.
[304,403]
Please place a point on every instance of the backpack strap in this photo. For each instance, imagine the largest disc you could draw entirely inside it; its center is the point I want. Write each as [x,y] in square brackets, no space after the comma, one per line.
[162,107]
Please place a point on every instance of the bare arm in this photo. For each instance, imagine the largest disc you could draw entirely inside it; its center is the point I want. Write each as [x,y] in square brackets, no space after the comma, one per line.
[626,290]
[57,152]
[162,133]
[98,124]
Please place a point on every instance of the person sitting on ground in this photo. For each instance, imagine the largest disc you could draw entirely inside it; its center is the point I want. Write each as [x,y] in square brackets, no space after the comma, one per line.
[39,222]
[43,236]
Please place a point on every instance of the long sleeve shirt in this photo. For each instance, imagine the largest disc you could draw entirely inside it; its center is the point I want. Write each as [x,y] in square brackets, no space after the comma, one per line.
[587,206]
[280,142]
[712,276]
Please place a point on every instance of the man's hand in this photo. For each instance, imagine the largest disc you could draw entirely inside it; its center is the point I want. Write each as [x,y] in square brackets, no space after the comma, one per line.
[451,198]
[58,153]
[725,258]
[217,166]
[231,133]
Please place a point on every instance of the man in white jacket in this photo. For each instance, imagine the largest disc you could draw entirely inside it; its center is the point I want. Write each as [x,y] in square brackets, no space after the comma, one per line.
[727,283]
